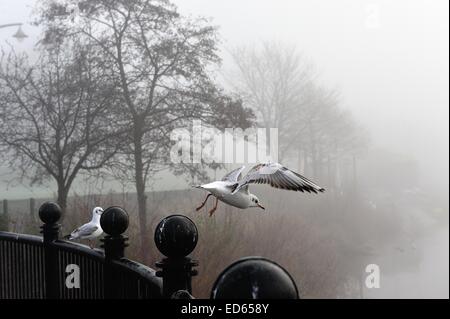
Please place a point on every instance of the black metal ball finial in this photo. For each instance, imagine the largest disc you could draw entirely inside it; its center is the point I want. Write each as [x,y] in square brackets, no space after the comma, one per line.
[176,236]
[50,212]
[114,221]
[254,278]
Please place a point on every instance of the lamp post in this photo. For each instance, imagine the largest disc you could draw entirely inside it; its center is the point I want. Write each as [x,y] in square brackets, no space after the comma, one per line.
[19,35]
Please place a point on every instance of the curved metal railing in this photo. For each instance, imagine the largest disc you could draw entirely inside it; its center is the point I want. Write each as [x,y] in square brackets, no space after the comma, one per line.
[33,267]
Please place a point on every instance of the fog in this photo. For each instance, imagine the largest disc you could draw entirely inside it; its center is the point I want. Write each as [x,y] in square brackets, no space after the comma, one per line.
[388,59]
[389,62]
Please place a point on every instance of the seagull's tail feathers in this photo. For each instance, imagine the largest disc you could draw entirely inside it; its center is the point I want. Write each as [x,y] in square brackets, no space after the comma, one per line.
[68,237]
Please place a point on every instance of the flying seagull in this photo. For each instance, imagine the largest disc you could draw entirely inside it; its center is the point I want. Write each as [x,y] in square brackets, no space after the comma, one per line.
[233,188]
[89,230]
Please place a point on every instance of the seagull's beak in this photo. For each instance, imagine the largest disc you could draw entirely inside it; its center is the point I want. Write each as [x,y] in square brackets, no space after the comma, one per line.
[260,206]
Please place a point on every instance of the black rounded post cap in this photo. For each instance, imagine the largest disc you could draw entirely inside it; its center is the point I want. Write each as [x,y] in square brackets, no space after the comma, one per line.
[50,212]
[176,236]
[114,221]
[254,278]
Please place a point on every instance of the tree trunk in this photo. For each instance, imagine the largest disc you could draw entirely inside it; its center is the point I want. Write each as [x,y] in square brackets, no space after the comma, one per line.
[63,192]
[354,174]
[305,161]
[141,198]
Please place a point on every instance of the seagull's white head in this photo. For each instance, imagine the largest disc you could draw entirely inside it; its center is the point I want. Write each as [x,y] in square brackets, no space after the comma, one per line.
[97,212]
[254,202]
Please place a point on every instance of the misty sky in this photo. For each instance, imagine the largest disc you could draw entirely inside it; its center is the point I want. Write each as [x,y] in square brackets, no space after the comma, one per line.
[389,59]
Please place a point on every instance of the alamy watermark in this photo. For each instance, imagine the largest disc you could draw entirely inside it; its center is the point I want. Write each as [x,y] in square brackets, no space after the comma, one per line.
[372,17]
[233,145]
[73,276]
[373,279]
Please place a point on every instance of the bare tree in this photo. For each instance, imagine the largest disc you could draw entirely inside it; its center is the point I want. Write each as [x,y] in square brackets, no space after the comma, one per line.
[162,63]
[279,84]
[56,114]
[273,79]
[328,134]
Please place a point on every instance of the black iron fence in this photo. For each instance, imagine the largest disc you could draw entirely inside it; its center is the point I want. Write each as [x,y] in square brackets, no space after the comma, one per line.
[33,267]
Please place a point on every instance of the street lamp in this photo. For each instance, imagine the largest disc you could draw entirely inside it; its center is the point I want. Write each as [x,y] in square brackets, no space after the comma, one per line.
[19,35]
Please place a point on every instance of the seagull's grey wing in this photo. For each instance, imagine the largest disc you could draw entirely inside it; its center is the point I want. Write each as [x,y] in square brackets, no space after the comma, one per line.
[277,176]
[234,175]
[83,231]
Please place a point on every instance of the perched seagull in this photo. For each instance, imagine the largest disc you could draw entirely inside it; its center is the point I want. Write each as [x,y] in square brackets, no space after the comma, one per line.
[89,230]
[233,188]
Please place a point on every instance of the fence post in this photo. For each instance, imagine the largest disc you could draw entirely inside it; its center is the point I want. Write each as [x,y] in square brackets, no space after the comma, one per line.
[5,206]
[114,222]
[254,278]
[50,213]
[32,207]
[176,237]
[4,217]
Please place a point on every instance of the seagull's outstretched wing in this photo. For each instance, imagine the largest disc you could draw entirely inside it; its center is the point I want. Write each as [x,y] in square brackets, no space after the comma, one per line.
[83,231]
[234,175]
[277,176]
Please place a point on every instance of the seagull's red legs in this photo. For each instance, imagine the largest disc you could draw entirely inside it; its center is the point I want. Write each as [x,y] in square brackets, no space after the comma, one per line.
[204,202]
[211,212]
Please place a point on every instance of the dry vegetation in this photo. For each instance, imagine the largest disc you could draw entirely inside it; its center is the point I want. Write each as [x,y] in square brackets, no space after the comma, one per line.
[322,240]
